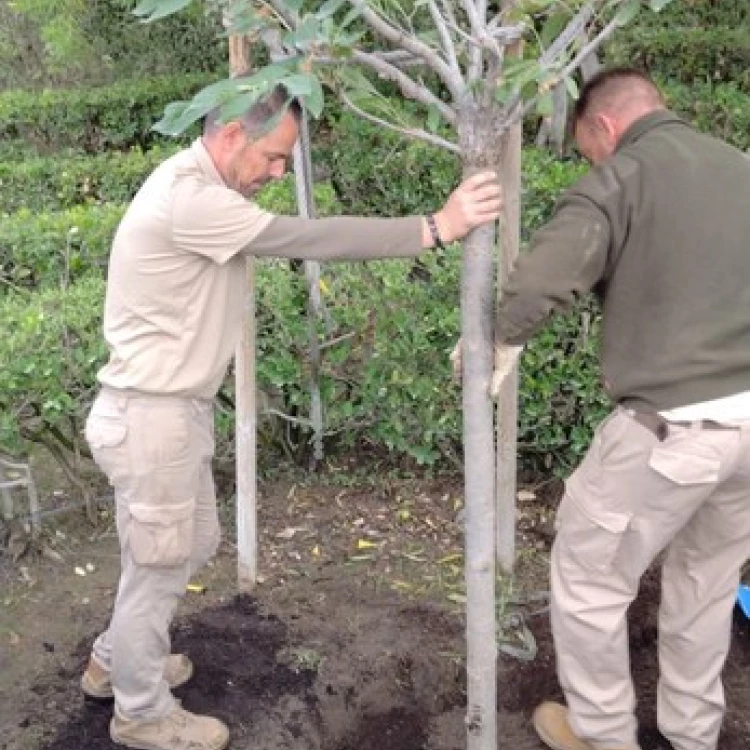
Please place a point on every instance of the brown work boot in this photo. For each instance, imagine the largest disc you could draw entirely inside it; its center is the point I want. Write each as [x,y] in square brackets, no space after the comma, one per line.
[178,730]
[551,723]
[96,683]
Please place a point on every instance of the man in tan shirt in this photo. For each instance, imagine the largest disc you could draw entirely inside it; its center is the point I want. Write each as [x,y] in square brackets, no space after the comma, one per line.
[173,317]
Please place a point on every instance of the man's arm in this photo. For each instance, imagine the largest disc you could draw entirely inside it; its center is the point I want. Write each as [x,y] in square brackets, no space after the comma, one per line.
[567,258]
[219,223]
[476,201]
[573,252]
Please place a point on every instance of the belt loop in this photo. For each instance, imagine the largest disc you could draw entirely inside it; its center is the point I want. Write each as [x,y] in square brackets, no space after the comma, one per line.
[653,422]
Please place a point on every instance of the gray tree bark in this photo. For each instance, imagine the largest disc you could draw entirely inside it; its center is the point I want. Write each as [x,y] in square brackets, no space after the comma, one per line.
[480,150]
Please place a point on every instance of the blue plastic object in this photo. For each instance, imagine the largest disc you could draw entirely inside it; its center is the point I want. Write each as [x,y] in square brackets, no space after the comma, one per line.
[743,599]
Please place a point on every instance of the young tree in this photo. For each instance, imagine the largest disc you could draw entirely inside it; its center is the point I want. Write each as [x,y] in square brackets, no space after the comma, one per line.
[474,69]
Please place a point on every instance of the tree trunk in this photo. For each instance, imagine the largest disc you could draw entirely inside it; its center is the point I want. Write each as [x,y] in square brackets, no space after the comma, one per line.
[479,152]
[507,402]
[559,124]
[246,408]
[306,209]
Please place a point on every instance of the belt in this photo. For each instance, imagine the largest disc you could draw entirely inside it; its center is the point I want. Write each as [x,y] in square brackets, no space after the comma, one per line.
[654,422]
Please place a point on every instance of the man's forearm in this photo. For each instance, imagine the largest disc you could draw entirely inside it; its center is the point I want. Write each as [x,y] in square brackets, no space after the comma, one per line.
[567,258]
[340,238]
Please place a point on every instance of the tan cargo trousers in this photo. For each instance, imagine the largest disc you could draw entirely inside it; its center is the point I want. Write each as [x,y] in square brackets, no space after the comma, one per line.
[156,452]
[632,497]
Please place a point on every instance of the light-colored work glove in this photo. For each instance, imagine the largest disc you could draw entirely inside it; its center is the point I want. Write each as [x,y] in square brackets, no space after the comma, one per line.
[506,357]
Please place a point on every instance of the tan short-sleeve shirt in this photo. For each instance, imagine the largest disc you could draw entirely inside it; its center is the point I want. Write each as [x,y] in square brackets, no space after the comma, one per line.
[173,311]
[175,292]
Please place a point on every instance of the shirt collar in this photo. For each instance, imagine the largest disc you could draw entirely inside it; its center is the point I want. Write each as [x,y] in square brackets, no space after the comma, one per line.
[647,123]
[205,162]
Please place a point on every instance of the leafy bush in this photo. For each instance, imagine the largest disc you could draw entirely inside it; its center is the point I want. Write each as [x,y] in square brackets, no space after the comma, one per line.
[379,173]
[50,352]
[54,183]
[118,116]
[721,109]
[84,42]
[688,55]
[43,249]
[386,382]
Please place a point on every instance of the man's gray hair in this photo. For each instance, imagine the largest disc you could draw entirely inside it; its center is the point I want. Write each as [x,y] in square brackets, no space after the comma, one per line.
[260,116]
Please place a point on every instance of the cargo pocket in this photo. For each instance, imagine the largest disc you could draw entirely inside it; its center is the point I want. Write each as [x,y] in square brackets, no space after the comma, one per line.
[161,536]
[105,434]
[591,535]
[684,467]
[105,431]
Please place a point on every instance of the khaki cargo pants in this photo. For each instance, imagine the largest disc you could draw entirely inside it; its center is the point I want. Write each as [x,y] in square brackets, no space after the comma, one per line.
[632,497]
[156,452]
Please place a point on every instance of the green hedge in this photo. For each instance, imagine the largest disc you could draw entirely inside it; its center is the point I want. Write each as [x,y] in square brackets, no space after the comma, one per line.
[52,183]
[386,383]
[118,116]
[379,173]
[387,380]
[720,109]
[688,54]
[51,349]
[40,249]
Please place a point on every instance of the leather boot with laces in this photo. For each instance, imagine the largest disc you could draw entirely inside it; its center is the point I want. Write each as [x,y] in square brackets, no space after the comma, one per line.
[178,730]
[96,682]
[551,724]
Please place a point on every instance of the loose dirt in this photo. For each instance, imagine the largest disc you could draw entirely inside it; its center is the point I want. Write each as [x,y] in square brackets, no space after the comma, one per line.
[353,640]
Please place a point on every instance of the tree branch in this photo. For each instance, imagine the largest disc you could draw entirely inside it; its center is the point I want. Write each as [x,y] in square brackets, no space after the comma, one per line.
[573,65]
[399,38]
[445,37]
[590,47]
[410,88]
[569,34]
[479,32]
[422,135]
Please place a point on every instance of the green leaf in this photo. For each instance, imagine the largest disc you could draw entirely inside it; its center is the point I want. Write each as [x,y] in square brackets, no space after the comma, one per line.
[433,118]
[553,27]
[572,87]
[152,10]
[298,84]
[658,5]
[350,17]
[545,105]
[329,8]
[178,116]
[315,99]
[627,12]
[307,32]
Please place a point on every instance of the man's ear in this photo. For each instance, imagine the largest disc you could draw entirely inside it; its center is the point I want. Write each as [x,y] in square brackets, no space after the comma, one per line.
[232,132]
[607,124]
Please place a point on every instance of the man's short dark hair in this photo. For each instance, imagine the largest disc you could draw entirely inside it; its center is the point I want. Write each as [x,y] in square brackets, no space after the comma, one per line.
[610,87]
[261,115]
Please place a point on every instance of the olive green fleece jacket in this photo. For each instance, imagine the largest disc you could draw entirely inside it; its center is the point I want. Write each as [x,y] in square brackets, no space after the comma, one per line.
[661,232]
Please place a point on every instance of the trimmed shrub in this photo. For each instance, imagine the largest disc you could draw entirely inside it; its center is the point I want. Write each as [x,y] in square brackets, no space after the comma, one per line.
[379,173]
[43,249]
[118,116]
[720,109]
[687,55]
[50,352]
[53,183]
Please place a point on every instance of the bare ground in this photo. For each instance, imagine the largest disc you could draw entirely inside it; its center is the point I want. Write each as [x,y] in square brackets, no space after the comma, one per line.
[353,639]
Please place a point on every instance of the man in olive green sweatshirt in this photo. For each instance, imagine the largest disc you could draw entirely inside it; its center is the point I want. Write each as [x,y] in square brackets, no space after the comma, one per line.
[660,230]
